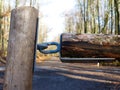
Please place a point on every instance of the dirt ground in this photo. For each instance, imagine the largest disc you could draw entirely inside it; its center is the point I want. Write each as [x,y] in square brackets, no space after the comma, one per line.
[55,75]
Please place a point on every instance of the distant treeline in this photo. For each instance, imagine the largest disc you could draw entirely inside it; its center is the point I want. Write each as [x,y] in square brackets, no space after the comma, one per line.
[5,9]
[94,16]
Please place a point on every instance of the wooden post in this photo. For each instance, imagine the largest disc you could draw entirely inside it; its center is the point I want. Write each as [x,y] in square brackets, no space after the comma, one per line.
[21,44]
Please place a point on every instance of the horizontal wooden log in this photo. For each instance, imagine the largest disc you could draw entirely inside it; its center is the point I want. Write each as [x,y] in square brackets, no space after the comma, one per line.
[90,46]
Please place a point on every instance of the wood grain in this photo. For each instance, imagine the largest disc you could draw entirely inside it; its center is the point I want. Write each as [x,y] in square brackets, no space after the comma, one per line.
[90,46]
[21,49]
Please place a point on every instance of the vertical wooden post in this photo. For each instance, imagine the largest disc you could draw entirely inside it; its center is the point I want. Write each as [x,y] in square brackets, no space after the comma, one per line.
[20,56]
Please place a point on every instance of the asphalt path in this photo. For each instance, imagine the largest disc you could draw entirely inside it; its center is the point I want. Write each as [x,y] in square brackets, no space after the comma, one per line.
[55,75]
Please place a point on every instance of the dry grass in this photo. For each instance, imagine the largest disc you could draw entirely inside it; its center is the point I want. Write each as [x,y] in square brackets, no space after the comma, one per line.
[114,63]
[41,57]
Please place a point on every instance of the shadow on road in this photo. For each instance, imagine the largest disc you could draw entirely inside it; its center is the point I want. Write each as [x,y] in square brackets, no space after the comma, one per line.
[53,75]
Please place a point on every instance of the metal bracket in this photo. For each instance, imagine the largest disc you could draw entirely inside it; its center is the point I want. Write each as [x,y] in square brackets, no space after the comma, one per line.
[41,47]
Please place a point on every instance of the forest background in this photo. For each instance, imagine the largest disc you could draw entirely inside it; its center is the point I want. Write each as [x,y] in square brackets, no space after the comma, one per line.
[88,16]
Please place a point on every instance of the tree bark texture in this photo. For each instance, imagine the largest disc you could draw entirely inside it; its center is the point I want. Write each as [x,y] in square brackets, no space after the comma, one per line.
[21,44]
[90,46]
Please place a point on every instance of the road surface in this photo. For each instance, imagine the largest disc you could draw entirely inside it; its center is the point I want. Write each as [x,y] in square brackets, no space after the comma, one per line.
[55,75]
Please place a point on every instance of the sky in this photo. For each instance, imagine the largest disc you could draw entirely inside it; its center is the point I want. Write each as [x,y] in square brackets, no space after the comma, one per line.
[53,17]
[53,14]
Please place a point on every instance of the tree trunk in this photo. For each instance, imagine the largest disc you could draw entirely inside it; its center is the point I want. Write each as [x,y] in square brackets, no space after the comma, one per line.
[16,3]
[85,25]
[116,5]
[98,16]
[21,44]
[111,5]
[90,46]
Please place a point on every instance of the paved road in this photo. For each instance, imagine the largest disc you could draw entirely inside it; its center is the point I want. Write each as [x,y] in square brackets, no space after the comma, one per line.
[54,75]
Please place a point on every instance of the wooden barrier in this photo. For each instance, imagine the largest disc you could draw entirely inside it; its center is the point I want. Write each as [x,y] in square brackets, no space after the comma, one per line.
[90,46]
[21,44]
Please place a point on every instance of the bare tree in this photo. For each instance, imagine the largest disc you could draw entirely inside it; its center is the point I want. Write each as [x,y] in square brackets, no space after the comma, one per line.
[116,5]
[16,3]
[98,16]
